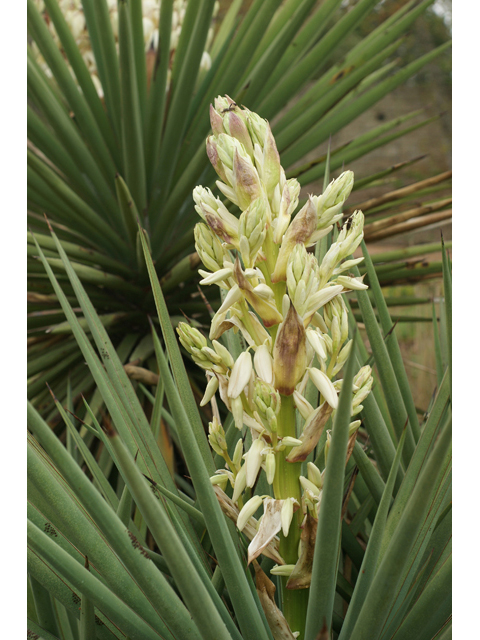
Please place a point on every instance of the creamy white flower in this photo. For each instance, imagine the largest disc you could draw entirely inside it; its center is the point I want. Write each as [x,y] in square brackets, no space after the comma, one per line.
[324,385]
[241,374]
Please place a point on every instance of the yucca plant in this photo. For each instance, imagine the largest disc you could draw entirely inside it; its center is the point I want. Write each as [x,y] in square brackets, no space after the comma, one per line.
[117,119]
[354,541]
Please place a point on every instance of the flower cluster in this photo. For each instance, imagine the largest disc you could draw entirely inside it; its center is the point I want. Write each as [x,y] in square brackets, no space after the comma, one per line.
[290,311]
[72,11]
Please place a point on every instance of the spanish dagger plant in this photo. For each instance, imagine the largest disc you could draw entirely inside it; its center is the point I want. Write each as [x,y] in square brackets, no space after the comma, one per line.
[354,542]
[118,97]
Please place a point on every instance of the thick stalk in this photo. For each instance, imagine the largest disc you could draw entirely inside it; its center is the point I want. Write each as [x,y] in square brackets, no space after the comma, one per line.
[286,484]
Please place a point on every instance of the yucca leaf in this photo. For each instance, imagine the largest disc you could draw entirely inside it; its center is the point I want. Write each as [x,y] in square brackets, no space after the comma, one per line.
[131,112]
[117,391]
[64,593]
[103,47]
[85,582]
[193,590]
[375,484]
[225,28]
[289,134]
[314,27]
[388,31]
[87,615]
[56,513]
[254,78]
[102,482]
[152,582]
[157,92]
[314,170]
[128,208]
[447,286]
[136,19]
[432,609]
[78,214]
[331,125]
[370,559]
[40,136]
[381,593]
[386,372]
[40,632]
[43,607]
[83,116]
[70,138]
[427,438]
[176,361]
[319,54]
[83,76]
[81,254]
[226,554]
[183,78]
[392,344]
[437,347]
[327,544]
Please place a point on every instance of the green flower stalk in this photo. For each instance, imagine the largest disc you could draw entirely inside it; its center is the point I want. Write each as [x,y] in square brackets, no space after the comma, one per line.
[291,313]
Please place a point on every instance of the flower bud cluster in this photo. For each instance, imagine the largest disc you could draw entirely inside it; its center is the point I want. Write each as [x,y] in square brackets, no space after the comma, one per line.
[288,308]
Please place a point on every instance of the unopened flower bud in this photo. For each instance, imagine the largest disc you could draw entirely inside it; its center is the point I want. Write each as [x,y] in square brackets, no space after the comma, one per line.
[223,353]
[304,407]
[210,391]
[237,454]
[253,460]
[240,376]
[318,343]
[325,386]
[190,337]
[267,400]
[248,510]
[314,475]
[336,333]
[289,353]
[308,485]
[288,441]
[355,284]
[209,247]
[287,515]
[270,467]
[236,405]
[216,437]
[234,124]
[216,215]
[361,377]
[221,480]
[263,362]
[327,445]
[362,393]
[282,570]
[342,357]
[288,204]
[351,234]
[298,232]
[252,230]
[239,484]
[329,204]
